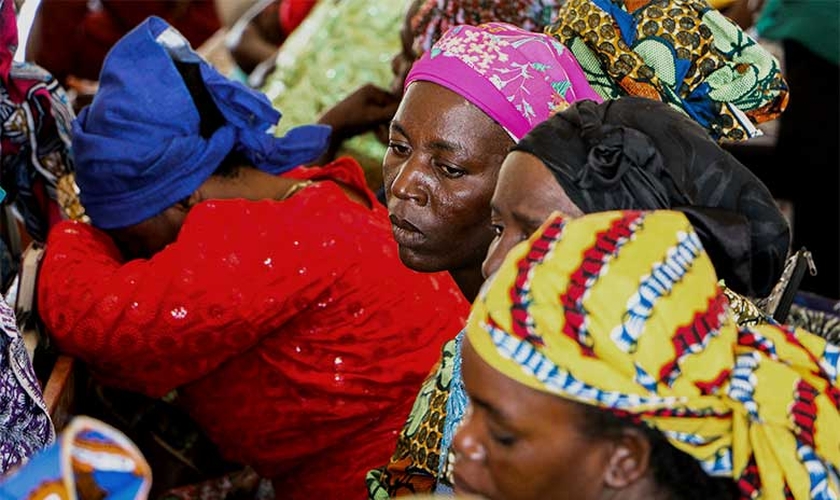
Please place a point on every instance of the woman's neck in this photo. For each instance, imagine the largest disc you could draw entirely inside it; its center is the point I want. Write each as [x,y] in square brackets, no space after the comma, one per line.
[248,184]
[252,184]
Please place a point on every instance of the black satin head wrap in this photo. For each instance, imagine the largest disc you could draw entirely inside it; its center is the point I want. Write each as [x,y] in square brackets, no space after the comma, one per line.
[636,153]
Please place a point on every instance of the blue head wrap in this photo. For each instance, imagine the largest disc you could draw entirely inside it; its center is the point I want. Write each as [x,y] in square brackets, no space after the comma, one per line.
[139,148]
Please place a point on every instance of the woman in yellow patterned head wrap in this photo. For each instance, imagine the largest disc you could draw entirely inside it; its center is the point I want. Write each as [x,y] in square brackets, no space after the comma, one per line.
[619,314]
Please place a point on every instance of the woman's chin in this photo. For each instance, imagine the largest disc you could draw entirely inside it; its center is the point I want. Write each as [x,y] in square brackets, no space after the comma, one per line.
[417,260]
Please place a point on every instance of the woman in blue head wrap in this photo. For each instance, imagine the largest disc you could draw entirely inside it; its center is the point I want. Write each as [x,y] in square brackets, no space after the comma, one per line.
[273,304]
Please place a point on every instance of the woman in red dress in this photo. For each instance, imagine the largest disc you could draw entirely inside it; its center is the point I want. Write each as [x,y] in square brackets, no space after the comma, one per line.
[276,306]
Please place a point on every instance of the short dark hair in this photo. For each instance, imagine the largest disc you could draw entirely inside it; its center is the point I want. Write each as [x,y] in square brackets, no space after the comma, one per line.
[675,471]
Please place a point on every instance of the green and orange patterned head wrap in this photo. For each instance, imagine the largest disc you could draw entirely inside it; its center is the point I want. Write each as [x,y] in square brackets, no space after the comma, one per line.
[622,311]
[682,52]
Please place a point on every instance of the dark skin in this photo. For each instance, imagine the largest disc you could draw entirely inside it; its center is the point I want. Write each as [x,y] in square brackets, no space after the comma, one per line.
[439,173]
[145,239]
[526,194]
[519,443]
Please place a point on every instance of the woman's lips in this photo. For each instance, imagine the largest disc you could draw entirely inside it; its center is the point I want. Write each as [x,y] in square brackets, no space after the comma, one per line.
[406,233]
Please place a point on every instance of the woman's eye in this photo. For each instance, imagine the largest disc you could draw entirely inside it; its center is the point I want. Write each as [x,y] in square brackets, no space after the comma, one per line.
[450,171]
[498,229]
[398,148]
[505,440]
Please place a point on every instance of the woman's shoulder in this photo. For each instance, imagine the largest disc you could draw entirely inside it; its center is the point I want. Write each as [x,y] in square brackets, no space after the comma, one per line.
[320,216]
[347,172]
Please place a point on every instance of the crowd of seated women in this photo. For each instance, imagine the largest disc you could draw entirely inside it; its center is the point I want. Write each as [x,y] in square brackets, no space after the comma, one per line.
[556,164]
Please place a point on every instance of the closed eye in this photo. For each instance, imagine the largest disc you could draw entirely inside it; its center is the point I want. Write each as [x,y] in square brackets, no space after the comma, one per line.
[505,440]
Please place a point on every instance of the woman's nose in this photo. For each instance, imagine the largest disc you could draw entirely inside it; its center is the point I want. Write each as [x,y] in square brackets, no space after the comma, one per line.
[499,247]
[466,444]
[406,184]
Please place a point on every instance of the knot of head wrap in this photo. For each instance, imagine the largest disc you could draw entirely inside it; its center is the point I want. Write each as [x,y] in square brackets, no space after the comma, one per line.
[144,143]
[622,155]
[516,77]
[621,311]
[682,52]
[635,153]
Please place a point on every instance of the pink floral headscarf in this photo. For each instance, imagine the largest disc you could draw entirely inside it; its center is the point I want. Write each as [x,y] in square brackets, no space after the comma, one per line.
[516,77]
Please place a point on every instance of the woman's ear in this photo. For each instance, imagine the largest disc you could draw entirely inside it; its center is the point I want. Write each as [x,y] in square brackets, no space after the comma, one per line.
[192,200]
[630,459]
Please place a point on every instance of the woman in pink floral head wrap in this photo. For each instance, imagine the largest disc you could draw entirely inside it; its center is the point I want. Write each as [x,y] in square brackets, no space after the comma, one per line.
[467,100]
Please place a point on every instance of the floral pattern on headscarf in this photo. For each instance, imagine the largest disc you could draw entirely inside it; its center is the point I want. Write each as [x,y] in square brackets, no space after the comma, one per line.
[516,77]
[622,311]
[434,17]
[35,116]
[682,52]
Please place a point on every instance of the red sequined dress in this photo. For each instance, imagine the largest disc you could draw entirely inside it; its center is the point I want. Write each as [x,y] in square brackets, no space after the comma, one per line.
[293,333]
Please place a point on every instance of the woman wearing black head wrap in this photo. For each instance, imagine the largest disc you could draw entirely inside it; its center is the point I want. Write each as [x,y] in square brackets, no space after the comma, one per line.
[635,153]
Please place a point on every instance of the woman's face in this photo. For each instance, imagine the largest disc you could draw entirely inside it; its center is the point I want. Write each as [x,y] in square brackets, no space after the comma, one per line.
[526,194]
[441,166]
[145,239]
[518,443]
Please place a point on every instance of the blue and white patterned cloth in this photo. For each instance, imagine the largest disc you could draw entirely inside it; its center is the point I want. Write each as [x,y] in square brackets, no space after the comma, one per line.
[25,425]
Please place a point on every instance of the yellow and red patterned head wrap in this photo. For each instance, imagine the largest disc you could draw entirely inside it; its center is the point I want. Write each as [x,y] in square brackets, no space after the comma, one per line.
[621,310]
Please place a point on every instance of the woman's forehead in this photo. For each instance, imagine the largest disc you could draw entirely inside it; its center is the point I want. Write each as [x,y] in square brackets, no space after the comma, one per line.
[508,400]
[433,110]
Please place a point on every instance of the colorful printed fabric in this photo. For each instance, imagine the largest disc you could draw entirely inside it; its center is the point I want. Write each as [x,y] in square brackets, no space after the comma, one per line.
[621,310]
[817,314]
[434,17]
[25,425]
[822,323]
[682,52]
[440,406]
[516,77]
[417,461]
[91,461]
[35,116]
[745,312]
